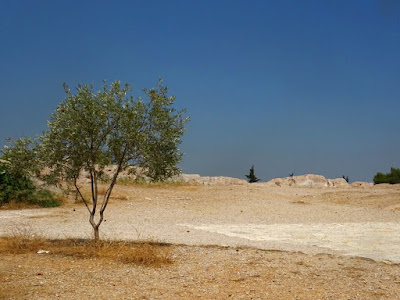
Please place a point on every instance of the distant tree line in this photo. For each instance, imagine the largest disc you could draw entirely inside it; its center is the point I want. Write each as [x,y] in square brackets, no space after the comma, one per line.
[392,177]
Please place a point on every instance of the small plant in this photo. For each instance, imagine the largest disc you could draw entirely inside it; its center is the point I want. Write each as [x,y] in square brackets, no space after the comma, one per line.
[346,178]
[393,177]
[291,174]
[252,177]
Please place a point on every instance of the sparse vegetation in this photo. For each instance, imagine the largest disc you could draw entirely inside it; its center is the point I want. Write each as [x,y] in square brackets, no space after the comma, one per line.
[252,177]
[346,178]
[163,184]
[146,253]
[126,181]
[393,177]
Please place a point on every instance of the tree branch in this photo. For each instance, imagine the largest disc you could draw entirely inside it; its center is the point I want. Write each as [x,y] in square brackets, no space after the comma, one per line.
[83,199]
[114,180]
[94,192]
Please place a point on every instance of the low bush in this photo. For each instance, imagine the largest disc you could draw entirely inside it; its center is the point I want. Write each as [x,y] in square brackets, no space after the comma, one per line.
[393,177]
[14,186]
[18,188]
[45,198]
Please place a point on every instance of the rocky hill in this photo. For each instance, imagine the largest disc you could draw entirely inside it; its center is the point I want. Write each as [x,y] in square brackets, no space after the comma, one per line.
[308,180]
[208,180]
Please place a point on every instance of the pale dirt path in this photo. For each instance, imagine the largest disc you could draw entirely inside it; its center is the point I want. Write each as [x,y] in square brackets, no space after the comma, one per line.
[350,221]
[378,241]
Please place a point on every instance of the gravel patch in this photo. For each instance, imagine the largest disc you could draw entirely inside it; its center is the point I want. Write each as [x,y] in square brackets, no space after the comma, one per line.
[349,221]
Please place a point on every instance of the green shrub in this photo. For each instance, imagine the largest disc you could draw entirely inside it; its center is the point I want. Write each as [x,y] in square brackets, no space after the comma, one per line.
[14,186]
[45,198]
[19,188]
[392,177]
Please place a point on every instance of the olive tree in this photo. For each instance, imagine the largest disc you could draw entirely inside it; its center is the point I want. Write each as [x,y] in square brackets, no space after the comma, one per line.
[20,156]
[90,130]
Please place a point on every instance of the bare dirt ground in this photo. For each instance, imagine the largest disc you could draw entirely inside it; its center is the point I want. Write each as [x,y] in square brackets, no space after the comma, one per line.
[228,242]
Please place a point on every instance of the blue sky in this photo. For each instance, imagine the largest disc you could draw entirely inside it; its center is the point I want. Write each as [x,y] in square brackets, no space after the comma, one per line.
[289,86]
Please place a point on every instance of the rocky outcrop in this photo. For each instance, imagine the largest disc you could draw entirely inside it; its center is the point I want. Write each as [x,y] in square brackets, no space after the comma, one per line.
[362,184]
[84,177]
[208,180]
[337,182]
[131,174]
[309,180]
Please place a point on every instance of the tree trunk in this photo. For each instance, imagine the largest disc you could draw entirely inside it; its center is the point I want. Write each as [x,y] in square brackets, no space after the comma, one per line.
[96,233]
[95,226]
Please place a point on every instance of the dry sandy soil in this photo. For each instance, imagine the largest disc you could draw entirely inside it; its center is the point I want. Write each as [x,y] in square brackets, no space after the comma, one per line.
[228,242]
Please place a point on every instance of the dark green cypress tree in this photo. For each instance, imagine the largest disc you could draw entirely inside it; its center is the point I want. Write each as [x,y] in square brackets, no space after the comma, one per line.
[252,177]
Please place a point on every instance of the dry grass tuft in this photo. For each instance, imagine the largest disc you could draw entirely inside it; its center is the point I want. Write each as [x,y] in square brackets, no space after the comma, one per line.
[157,184]
[167,184]
[300,202]
[125,181]
[20,244]
[102,190]
[13,205]
[21,240]
[140,253]
[148,254]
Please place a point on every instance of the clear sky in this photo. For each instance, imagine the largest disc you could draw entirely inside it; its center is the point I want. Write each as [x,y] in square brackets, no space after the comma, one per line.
[289,86]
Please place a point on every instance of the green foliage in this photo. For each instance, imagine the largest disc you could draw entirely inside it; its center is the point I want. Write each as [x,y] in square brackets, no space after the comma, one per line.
[17,187]
[90,130]
[45,198]
[14,186]
[252,177]
[161,154]
[21,155]
[393,177]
